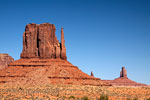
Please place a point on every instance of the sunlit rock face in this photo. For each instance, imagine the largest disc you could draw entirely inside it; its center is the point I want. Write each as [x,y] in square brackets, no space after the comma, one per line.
[40,41]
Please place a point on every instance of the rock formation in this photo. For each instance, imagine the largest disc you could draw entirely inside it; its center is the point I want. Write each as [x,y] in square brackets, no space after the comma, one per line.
[5,59]
[123,80]
[123,73]
[39,41]
[63,48]
[43,61]
[92,74]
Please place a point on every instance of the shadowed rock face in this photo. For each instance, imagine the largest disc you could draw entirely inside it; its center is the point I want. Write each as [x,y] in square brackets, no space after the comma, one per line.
[5,59]
[123,73]
[40,41]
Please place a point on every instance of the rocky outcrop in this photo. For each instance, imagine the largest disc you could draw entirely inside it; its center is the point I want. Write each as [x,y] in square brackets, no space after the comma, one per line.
[5,59]
[123,80]
[123,73]
[44,61]
[92,74]
[40,41]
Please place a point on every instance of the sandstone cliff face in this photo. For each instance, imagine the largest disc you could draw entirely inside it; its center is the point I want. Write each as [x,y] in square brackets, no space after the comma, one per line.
[40,41]
[5,59]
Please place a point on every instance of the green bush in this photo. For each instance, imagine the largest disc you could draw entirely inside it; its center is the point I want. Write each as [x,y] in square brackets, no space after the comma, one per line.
[71,97]
[85,98]
[103,97]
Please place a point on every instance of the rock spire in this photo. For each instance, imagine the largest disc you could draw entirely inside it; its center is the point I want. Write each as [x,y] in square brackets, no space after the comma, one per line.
[92,74]
[63,48]
[123,73]
[123,80]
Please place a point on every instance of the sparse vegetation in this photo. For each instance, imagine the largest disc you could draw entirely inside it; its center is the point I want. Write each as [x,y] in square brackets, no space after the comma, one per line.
[131,99]
[64,97]
[74,92]
[71,97]
[103,97]
[85,98]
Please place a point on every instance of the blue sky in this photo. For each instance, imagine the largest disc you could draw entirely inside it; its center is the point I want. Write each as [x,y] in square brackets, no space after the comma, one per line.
[101,35]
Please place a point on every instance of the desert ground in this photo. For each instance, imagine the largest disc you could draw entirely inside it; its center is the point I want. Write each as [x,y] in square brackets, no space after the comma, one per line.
[73,92]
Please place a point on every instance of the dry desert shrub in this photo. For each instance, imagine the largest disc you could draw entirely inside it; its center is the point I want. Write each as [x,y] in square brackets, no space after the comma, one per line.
[85,98]
[74,92]
[103,97]
[71,97]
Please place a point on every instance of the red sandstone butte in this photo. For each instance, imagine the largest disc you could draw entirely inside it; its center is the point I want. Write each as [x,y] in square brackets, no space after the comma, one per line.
[5,59]
[123,80]
[40,41]
[44,61]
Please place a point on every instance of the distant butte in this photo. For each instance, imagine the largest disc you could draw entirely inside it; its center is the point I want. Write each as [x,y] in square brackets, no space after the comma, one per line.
[123,80]
[5,59]
[44,61]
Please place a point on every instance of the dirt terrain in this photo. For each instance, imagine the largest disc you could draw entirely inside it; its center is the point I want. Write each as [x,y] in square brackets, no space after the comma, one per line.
[73,92]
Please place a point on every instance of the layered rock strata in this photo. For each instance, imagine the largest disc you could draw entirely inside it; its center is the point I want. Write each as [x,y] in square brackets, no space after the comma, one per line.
[37,71]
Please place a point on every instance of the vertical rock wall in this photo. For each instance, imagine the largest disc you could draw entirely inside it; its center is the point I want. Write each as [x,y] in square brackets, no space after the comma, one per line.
[40,41]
